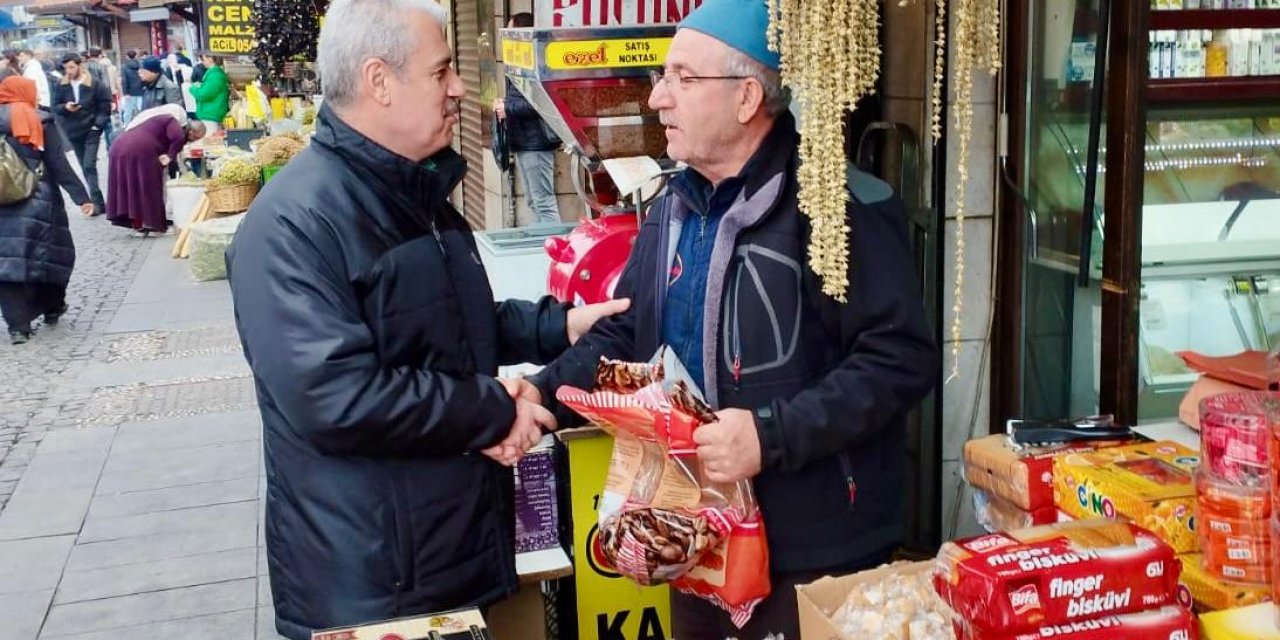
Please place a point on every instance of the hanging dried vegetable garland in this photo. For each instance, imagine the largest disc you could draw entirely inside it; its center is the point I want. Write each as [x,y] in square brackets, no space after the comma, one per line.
[804,33]
[807,31]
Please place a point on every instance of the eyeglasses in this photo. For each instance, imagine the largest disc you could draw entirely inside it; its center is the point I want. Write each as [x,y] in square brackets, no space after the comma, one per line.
[672,77]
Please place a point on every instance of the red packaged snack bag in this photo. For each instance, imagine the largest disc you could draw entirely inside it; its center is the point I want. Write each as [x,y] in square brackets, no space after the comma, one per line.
[1056,574]
[1166,623]
[660,519]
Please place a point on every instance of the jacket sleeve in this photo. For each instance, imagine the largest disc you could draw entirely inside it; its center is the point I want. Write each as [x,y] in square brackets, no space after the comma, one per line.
[59,100]
[317,362]
[214,84]
[56,163]
[891,358]
[613,337]
[534,332]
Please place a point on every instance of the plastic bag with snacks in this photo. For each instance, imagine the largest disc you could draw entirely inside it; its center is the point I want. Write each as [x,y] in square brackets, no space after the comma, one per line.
[661,520]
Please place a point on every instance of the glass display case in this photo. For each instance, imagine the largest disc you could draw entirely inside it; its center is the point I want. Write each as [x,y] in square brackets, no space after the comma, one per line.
[1210,214]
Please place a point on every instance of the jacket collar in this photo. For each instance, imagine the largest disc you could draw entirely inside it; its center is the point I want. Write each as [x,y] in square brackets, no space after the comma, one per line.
[773,157]
[422,186]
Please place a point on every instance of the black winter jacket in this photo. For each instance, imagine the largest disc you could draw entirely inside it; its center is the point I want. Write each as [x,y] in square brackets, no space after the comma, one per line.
[95,108]
[129,78]
[373,336]
[35,241]
[829,383]
[525,129]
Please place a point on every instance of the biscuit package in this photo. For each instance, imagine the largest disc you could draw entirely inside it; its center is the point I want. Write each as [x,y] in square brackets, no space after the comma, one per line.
[1022,476]
[1165,623]
[1010,583]
[1199,589]
[1149,484]
[661,520]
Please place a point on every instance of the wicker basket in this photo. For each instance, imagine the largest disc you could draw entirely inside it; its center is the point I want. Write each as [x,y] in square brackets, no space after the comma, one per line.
[231,199]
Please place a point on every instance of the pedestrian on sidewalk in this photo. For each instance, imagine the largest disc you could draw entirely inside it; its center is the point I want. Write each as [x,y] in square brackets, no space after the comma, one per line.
[533,143]
[157,89]
[135,172]
[82,107]
[212,93]
[131,87]
[37,254]
[33,69]
[375,341]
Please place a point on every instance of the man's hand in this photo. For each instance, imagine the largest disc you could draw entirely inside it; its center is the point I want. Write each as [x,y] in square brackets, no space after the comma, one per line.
[165,160]
[526,431]
[581,319]
[71,106]
[500,108]
[729,449]
[521,388]
[87,209]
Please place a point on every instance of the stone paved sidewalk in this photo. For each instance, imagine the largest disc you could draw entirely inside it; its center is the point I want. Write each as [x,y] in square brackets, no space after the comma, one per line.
[132,454]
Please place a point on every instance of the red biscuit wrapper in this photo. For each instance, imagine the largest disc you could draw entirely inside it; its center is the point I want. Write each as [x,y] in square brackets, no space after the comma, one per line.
[1056,574]
[1166,623]
[661,520]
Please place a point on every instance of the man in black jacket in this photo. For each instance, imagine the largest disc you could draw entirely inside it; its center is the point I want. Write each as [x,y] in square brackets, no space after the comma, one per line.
[532,142]
[82,106]
[131,81]
[370,326]
[811,393]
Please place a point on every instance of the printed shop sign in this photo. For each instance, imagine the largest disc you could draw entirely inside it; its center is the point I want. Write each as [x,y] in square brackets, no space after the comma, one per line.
[569,55]
[228,26]
[603,13]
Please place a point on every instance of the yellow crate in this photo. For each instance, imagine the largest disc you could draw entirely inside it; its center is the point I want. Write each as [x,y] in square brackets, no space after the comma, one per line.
[1149,484]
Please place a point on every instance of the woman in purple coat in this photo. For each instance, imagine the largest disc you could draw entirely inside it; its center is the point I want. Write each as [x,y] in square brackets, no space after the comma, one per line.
[135,178]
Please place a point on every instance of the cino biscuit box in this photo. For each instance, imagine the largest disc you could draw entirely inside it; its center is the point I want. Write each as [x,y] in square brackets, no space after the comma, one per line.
[1149,484]
[1023,477]
[463,624]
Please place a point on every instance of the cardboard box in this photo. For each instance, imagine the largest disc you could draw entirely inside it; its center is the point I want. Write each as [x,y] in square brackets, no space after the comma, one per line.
[1201,591]
[818,601]
[537,514]
[1149,484]
[1257,622]
[462,624]
[1024,477]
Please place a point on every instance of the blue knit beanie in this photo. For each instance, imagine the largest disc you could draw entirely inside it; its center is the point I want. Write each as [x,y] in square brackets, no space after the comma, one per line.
[152,64]
[741,24]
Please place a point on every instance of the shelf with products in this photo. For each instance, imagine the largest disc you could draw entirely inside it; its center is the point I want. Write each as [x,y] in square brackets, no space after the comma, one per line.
[1181,19]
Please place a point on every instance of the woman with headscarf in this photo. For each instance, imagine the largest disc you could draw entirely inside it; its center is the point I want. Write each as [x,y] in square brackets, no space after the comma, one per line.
[135,172]
[37,254]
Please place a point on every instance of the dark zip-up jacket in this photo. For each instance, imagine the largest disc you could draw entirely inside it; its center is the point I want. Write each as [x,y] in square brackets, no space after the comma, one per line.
[369,324]
[829,383]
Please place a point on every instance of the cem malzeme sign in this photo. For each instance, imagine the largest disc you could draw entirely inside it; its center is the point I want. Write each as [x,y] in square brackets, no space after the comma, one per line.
[229,26]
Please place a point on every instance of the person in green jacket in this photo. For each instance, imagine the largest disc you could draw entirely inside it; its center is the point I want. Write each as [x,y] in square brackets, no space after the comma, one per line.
[212,93]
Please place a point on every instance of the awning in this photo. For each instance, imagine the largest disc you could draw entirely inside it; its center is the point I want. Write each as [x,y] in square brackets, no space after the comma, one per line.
[6,21]
[45,7]
[145,4]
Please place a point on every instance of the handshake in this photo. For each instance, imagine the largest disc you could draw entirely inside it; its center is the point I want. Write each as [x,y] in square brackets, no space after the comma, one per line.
[526,431]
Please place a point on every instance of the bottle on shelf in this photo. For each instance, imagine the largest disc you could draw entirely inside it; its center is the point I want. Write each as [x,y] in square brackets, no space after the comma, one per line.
[1216,56]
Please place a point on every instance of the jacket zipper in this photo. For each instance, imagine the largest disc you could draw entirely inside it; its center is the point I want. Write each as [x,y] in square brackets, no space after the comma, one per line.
[439,241]
[846,466]
[735,328]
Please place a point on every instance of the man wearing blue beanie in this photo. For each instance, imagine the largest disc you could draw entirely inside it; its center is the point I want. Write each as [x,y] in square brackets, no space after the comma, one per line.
[157,89]
[811,394]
